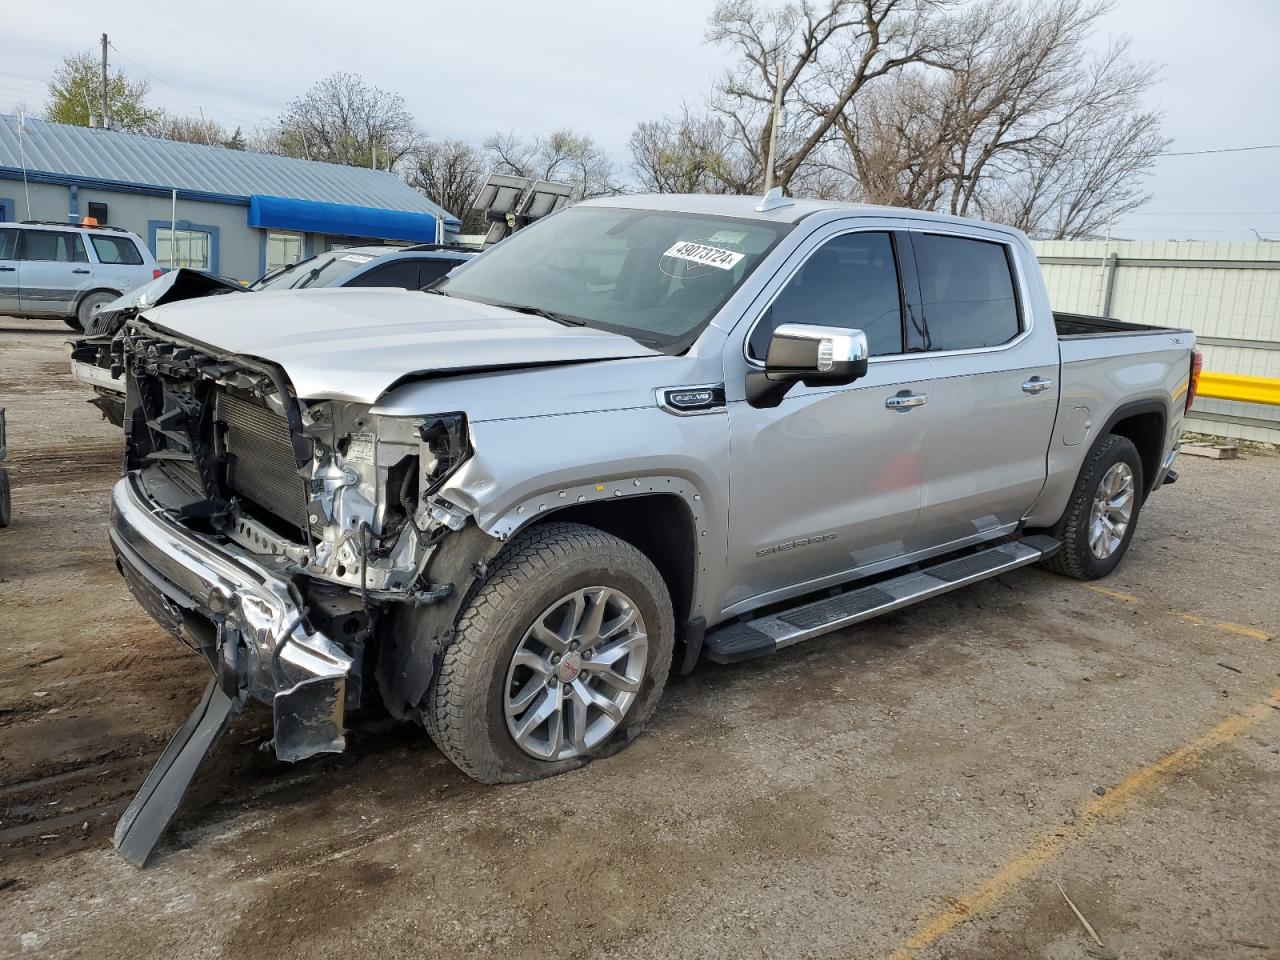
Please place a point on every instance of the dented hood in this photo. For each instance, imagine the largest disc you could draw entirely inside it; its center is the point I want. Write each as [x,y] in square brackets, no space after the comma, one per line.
[355,344]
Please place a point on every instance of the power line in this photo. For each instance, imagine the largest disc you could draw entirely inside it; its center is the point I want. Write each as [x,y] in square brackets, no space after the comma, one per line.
[186,97]
[1204,213]
[1196,153]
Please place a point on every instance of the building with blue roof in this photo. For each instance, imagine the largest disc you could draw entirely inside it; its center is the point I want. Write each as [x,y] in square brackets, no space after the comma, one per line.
[237,213]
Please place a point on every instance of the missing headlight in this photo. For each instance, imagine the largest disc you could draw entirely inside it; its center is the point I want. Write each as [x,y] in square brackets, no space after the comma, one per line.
[448,444]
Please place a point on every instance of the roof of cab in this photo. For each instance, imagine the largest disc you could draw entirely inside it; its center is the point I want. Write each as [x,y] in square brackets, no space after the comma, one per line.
[728,205]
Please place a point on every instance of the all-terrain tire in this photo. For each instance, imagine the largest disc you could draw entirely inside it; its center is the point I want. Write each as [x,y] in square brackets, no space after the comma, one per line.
[1075,559]
[464,709]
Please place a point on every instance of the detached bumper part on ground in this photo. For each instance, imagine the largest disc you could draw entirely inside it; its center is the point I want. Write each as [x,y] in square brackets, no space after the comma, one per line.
[245,621]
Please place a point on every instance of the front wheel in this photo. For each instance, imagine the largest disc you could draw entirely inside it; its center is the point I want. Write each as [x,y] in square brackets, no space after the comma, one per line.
[558,659]
[1103,511]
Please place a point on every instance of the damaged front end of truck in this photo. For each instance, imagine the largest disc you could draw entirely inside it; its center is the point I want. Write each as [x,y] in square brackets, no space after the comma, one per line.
[282,539]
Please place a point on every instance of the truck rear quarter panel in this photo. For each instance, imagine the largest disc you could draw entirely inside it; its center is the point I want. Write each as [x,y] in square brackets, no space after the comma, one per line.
[1104,379]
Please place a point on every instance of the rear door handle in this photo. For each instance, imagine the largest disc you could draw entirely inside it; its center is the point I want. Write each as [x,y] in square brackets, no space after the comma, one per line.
[1036,385]
[80,271]
[906,401]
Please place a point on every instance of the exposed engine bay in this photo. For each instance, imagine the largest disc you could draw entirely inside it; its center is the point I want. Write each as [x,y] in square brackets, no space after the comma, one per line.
[323,488]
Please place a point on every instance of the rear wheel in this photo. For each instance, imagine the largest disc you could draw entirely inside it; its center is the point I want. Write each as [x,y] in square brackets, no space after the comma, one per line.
[559,658]
[88,306]
[1103,511]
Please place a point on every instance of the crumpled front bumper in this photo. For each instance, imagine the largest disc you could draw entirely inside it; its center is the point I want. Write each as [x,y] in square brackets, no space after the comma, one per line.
[242,616]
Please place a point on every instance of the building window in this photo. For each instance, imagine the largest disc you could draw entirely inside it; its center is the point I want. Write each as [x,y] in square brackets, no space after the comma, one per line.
[184,248]
[283,249]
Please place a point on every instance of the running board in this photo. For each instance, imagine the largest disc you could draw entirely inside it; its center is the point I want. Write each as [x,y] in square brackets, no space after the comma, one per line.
[745,640]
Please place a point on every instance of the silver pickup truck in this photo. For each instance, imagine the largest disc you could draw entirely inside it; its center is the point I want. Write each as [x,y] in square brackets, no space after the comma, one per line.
[641,432]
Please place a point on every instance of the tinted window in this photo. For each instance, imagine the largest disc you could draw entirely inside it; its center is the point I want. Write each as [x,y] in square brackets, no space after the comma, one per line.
[966,287]
[53,245]
[850,281]
[398,273]
[8,244]
[115,250]
[429,271]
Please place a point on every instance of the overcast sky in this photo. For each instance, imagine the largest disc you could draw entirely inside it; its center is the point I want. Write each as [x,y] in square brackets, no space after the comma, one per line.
[470,69]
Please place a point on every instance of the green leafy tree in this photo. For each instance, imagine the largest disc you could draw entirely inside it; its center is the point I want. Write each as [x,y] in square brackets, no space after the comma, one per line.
[76,89]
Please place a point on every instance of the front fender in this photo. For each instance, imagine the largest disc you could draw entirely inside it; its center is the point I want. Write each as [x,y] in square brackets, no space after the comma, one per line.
[524,469]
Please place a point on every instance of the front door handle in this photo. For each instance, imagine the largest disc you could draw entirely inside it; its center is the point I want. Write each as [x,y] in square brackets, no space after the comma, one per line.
[1036,385]
[79,271]
[8,269]
[906,401]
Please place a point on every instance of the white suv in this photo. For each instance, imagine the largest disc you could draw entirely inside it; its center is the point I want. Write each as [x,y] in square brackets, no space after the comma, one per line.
[67,271]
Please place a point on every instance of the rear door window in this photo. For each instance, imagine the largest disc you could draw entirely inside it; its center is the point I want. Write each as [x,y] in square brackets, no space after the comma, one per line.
[8,244]
[52,245]
[398,273]
[967,293]
[115,250]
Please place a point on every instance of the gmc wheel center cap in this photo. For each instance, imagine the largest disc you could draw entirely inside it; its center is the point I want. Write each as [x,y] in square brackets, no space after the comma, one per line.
[568,669]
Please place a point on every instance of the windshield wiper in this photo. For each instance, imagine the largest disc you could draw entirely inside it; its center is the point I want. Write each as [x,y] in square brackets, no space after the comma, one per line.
[562,318]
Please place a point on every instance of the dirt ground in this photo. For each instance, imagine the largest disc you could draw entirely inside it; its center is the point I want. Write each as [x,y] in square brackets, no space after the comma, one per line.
[915,787]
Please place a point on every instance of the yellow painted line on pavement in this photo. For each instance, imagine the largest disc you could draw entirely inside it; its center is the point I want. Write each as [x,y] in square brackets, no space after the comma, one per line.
[1113,594]
[1052,844]
[1240,630]
[1243,631]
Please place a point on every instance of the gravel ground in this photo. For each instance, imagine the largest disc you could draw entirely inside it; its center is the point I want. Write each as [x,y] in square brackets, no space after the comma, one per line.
[911,788]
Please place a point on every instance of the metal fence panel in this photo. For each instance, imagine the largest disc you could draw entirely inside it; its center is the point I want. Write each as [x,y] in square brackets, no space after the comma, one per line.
[1228,293]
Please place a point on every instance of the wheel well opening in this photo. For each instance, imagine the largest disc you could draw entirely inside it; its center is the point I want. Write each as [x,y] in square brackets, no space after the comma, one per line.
[1146,431]
[658,525]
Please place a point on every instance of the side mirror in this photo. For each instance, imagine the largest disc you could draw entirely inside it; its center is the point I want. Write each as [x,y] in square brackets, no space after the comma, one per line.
[808,354]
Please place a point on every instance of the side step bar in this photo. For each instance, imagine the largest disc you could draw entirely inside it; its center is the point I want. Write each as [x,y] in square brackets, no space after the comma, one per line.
[745,640]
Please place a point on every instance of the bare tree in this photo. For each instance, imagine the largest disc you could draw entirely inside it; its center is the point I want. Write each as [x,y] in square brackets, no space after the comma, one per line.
[170,126]
[691,153]
[821,55]
[1021,124]
[449,172]
[344,120]
[565,156]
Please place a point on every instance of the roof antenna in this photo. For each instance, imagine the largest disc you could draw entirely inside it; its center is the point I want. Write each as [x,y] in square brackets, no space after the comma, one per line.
[773,200]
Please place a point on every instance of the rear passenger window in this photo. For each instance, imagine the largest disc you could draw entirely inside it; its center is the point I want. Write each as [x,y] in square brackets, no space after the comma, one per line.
[850,281]
[966,288]
[62,247]
[399,273]
[8,244]
[115,250]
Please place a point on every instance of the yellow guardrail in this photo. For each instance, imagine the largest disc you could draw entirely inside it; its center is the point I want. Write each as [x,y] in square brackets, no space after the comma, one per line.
[1235,386]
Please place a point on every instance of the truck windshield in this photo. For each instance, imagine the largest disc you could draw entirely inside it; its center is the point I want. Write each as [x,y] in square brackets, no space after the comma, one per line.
[655,276]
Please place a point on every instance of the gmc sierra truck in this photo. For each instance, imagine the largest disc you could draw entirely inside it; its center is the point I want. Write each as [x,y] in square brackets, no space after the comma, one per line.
[642,432]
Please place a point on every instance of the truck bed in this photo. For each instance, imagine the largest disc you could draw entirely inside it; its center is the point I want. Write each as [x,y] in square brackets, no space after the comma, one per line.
[1078,326]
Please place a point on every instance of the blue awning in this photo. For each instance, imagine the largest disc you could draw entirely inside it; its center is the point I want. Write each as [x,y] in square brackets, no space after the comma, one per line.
[342,219]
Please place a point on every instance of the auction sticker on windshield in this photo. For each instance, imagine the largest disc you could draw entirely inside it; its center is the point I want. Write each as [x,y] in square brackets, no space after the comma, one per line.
[705,254]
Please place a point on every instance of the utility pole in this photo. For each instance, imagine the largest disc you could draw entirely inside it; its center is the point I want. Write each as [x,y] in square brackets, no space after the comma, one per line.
[106,117]
[773,127]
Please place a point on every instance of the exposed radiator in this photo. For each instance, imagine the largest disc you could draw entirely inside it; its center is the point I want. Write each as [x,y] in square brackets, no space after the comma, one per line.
[261,467]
